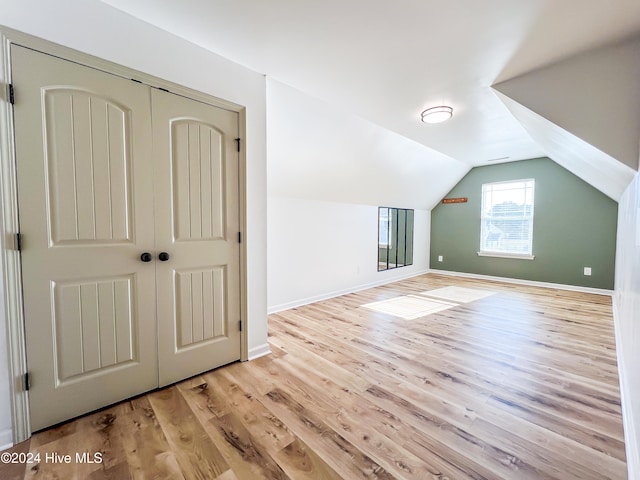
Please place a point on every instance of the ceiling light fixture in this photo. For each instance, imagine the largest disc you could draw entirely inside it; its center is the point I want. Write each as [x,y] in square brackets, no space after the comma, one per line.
[437,114]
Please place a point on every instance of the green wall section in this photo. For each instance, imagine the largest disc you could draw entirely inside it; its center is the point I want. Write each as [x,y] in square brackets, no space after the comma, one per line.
[574,227]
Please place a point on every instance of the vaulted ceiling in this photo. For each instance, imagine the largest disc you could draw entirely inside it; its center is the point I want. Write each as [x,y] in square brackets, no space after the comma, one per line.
[386,62]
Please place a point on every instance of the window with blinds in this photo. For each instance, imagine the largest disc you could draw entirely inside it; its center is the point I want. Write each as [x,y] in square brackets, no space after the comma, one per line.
[507,218]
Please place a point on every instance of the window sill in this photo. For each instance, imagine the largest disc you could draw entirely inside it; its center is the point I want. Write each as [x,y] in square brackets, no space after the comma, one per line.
[515,256]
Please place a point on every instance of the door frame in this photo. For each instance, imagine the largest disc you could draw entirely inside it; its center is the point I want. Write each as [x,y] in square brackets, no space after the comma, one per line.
[11,280]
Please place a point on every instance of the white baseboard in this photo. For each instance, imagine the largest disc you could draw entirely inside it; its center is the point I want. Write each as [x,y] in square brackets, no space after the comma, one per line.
[337,293]
[531,283]
[632,447]
[6,439]
[259,351]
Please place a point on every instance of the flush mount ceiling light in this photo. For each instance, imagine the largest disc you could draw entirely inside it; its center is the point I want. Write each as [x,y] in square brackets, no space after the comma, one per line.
[437,114]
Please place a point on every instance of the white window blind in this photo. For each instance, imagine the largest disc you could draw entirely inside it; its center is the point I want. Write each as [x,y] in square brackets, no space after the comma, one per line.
[507,218]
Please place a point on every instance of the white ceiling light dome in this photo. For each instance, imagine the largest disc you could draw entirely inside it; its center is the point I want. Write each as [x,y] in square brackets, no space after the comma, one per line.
[438,114]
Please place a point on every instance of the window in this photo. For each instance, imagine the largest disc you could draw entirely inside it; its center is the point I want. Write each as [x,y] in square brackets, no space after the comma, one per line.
[395,237]
[383,227]
[507,219]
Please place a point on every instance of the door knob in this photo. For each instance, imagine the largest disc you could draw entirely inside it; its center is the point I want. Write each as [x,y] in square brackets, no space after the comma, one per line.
[163,256]
[146,257]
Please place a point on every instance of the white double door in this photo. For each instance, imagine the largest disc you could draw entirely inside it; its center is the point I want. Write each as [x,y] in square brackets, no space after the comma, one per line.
[129,214]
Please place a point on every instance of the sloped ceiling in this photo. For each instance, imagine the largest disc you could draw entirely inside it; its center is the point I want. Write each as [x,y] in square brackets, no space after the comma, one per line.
[593,166]
[386,62]
[319,152]
[584,112]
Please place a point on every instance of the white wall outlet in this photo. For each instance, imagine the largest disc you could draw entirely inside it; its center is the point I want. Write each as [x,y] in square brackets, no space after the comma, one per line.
[440,258]
[587,271]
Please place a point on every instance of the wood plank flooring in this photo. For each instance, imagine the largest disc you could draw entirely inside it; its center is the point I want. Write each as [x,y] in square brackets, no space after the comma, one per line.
[519,385]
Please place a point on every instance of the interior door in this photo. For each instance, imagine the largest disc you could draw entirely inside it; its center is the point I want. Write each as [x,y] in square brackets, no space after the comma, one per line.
[197,226]
[85,197]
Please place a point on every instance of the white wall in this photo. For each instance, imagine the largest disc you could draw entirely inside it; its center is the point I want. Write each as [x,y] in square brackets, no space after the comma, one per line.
[95,28]
[320,249]
[328,171]
[627,320]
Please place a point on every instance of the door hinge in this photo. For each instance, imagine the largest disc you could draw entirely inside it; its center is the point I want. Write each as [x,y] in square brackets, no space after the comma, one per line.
[27,382]
[240,325]
[19,242]
[12,97]
[238,140]
[239,237]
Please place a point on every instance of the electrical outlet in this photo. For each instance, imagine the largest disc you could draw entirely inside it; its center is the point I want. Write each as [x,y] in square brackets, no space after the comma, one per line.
[587,271]
[440,258]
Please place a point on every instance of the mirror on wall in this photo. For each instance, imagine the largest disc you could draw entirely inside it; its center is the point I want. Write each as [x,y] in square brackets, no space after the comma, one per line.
[395,237]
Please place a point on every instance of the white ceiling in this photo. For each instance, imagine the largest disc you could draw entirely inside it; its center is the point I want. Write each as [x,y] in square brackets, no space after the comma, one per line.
[316,152]
[387,61]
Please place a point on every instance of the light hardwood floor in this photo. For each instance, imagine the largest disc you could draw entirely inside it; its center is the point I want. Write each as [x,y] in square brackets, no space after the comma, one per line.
[519,385]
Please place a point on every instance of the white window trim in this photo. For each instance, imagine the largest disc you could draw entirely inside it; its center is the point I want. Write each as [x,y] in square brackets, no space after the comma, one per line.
[515,256]
[501,254]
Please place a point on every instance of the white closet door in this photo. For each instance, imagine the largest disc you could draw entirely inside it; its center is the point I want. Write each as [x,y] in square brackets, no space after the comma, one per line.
[85,195]
[197,225]
[94,195]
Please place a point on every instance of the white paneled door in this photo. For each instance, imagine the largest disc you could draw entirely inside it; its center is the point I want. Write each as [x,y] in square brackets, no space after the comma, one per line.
[130,257]
[198,272]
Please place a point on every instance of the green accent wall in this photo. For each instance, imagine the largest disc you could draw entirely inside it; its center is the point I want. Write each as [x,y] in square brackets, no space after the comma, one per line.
[574,226]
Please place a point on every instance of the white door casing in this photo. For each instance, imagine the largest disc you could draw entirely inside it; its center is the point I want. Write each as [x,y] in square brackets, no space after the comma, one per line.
[86,180]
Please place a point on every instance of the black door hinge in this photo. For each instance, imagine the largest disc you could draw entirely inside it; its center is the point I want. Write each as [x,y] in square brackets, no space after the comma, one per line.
[12,97]
[27,382]
[239,237]
[238,140]
[240,325]
[19,242]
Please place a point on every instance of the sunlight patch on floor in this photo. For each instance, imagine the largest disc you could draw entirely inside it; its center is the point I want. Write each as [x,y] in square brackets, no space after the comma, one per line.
[409,307]
[458,294]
